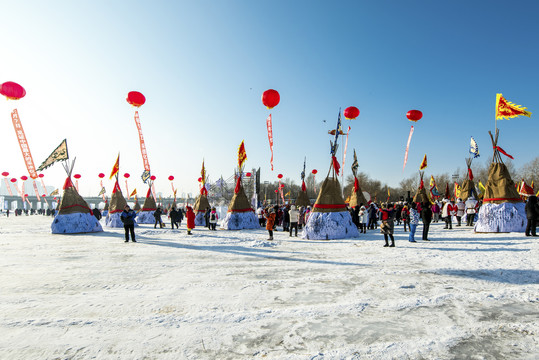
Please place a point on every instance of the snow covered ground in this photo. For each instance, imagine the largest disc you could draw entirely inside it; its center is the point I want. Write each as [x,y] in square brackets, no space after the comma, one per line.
[234,295]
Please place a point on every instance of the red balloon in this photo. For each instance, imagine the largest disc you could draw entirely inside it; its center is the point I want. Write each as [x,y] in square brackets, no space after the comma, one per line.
[5,173]
[248,174]
[41,175]
[25,195]
[12,91]
[135,98]
[13,180]
[24,178]
[152,177]
[43,195]
[275,191]
[77,176]
[270,98]
[127,175]
[171,177]
[55,198]
[280,176]
[314,171]
[101,175]
[200,179]
[414,115]
[351,112]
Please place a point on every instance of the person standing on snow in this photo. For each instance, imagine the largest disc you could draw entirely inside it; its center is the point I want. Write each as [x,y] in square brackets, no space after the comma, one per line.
[447,212]
[157,215]
[532,213]
[387,215]
[294,218]
[460,209]
[435,211]
[414,221]
[128,219]
[213,218]
[190,214]
[270,221]
[426,217]
[174,218]
[471,210]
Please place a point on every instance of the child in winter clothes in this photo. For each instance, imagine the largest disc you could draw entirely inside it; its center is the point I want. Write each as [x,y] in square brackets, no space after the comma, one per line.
[213,218]
[270,222]
[414,221]
[460,210]
[363,220]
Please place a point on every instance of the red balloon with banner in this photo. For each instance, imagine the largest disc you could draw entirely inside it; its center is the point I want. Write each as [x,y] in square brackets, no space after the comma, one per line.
[136,99]
[415,116]
[101,175]
[13,180]
[5,173]
[270,98]
[280,176]
[12,90]
[350,113]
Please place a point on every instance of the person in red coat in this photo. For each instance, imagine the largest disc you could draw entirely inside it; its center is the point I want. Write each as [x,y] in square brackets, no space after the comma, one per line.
[190,214]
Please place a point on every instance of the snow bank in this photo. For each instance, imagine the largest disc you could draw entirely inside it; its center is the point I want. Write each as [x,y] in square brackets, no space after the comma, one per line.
[328,226]
[505,217]
[114,220]
[75,223]
[240,220]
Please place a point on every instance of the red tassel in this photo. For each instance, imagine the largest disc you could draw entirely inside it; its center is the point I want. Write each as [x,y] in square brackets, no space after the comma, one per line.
[422,185]
[303,187]
[204,191]
[336,165]
[68,183]
[470,174]
[356,184]
[503,152]
[238,185]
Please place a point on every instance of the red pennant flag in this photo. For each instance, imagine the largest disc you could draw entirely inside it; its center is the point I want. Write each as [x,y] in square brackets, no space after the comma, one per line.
[238,185]
[503,152]
[303,187]
[356,184]
[336,165]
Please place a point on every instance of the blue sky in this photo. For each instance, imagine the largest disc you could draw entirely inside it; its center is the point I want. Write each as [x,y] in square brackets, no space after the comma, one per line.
[203,66]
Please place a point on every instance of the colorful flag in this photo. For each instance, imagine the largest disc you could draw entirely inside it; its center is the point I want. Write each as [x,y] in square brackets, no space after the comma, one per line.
[432,183]
[474,149]
[58,154]
[407,147]
[134,193]
[270,138]
[423,163]
[338,131]
[203,174]
[506,109]
[457,190]
[102,191]
[242,155]
[355,164]
[116,167]
[55,192]
[481,187]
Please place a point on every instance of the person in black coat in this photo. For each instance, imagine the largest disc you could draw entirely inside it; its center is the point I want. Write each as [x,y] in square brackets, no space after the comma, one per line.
[128,218]
[426,217]
[207,217]
[157,215]
[532,213]
[174,218]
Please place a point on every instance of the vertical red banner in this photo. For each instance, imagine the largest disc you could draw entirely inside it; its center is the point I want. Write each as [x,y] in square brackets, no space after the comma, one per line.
[23,143]
[407,147]
[36,191]
[270,137]
[8,187]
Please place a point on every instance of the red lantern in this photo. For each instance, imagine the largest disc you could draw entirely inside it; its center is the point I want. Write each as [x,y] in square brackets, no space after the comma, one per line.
[280,176]
[152,177]
[12,91]
[127,175]
[171,177]
[24,178]
[314,171]
[135,98]
[270,98]
[414,115]
[43,195]
[101,175]
[41,175]
[248,174]
[13,180]
[199,179]
[350,113]
[77,176]
[5,173]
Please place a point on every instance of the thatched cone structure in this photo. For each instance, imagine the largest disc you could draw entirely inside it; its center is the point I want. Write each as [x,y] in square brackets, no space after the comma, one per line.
[201,204]
[467,189]
[329,218]
[145,215]
[303,199]
[502,209]
[421,196]
[74,215]
[357,198]
[116,206]
[240,214]
[136,207]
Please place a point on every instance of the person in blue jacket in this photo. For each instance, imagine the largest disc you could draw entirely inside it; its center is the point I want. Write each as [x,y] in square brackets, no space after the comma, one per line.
[128,218]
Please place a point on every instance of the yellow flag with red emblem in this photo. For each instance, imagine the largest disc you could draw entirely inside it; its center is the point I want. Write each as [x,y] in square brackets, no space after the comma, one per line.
[115,168]
[423,163]
[242,155]
[506,109]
